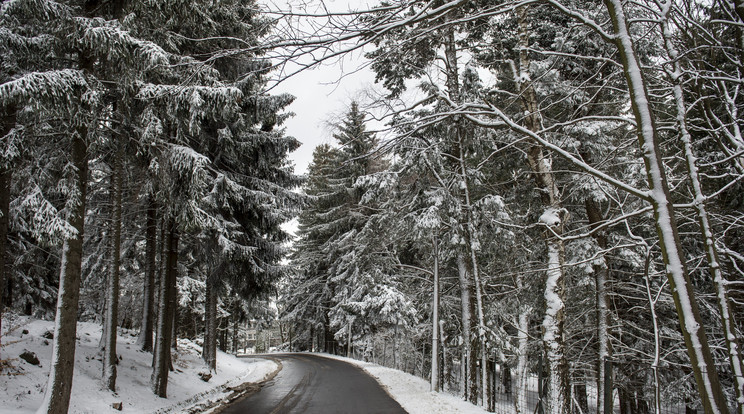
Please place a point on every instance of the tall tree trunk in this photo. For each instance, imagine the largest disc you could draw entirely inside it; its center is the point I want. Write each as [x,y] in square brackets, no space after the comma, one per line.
[523,373]
[57,395]
[110,359]
[209,353]
[151,247]
[5,180]
[159,282]
[601,274]
[469,378]
[691,324]
[435,322]
[728,321]
[474,290]
[6,174]
[558,385]
[165,314]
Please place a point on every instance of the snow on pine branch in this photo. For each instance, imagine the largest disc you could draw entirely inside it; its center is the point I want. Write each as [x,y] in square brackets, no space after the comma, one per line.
[183,96]
[39,217]
[34,9]
[56,86]
[198,101]
[111,41]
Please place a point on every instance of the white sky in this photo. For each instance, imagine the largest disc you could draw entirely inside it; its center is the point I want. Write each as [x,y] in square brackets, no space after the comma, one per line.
[323,94]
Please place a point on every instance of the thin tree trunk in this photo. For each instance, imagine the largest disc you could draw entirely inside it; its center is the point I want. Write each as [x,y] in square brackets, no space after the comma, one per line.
[443,358]
[523,373]
[691,324]
[174,326]
[165,315]
[236,310]
[110,359]
[728,321]
[601,274]
[435,322]
[57,395]
[469,377]
[5,180]
[657,339]
[473,289]
[151,247]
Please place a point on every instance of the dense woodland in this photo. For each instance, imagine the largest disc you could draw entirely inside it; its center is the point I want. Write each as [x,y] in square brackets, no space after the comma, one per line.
[558,188]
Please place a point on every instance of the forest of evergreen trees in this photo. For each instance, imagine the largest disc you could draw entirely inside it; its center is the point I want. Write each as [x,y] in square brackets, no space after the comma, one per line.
[558,187]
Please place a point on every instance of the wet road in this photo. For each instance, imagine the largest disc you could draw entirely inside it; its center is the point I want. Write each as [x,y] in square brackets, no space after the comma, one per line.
[313,384]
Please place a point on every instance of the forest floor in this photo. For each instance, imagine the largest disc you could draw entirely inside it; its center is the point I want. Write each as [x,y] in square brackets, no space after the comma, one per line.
[22,384]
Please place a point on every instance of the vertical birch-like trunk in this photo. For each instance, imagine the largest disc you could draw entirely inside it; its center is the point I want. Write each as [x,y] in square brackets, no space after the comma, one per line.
[110,359]
[728,321]
[557,401]
[468,364]
[475,291]
[523,373]
[477,286]
[144,341]
[691,324]
[167,306]
[435,321]
[57,395]
[657,336]
[444,375]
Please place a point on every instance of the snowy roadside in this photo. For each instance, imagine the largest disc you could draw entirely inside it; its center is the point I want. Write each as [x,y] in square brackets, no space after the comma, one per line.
[412,392]
[22,386]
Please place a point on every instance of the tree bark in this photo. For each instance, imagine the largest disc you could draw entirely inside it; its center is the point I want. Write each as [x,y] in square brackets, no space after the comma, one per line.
[691,324]
[471,270]
[435,322]
[6,175]
[728,321]
[469,377]
[601,274]
[110,359]
[523,373]
[5,180]
[557,401]
[165,315]
[151,247]
[57,395]
[164,246]
[209,353]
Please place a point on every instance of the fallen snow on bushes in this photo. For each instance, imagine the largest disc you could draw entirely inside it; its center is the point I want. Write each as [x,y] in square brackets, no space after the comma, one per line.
[22,385]
[412,392]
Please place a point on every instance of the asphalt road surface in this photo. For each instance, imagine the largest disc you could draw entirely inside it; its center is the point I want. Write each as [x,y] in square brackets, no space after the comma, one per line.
[312,384]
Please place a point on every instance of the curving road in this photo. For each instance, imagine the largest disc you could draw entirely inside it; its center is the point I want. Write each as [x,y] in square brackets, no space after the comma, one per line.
[312,384]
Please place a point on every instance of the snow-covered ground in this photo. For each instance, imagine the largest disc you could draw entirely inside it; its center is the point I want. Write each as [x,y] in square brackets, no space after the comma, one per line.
[22,386]
[412,392]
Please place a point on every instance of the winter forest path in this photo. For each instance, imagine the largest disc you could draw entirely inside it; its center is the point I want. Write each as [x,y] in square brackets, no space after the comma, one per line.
[313,384]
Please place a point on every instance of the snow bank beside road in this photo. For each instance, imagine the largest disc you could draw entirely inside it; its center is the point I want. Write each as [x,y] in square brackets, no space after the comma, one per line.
[22,387]
[412,392]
